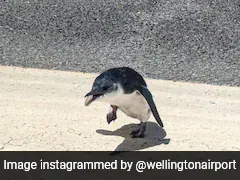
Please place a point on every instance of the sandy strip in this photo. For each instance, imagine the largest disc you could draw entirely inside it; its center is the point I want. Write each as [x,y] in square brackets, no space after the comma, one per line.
[44,110]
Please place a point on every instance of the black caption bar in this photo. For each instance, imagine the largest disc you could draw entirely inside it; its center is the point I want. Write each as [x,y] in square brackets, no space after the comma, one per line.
[106,165]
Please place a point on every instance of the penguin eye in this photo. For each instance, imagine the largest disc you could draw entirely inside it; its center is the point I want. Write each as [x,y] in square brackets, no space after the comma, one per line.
[105,88]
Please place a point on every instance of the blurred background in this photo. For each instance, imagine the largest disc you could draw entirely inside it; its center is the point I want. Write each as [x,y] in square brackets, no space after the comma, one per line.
[182,40]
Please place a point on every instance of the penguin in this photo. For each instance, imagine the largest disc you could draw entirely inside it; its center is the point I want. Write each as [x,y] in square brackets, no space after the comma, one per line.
[124,89]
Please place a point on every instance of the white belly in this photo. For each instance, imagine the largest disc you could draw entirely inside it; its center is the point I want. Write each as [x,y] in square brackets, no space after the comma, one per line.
[133,105]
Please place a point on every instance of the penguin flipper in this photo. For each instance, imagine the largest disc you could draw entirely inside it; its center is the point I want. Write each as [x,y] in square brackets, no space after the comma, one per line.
[148,96]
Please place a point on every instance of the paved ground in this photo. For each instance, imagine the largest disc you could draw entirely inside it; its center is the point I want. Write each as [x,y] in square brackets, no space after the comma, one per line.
[185,40]
[44,110]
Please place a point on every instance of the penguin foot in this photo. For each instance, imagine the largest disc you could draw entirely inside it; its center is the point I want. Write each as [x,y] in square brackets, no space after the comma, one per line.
[112,115]
[139,132]
[135,131]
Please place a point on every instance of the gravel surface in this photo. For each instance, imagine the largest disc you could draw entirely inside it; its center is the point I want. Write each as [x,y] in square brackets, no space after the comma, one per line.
[186,40]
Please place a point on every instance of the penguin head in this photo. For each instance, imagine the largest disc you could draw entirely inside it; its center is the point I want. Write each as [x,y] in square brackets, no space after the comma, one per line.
[101,87]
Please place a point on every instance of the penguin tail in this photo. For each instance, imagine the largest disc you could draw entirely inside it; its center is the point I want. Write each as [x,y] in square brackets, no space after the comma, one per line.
[148,96]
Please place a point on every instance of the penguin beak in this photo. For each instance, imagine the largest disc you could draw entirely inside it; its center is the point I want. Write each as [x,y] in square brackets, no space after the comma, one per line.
[88,94]
[92,96]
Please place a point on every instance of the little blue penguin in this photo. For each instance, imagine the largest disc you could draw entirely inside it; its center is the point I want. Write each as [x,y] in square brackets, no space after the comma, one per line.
[125,89]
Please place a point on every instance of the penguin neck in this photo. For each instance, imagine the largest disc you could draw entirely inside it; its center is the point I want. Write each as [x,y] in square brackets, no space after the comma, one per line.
[115,97]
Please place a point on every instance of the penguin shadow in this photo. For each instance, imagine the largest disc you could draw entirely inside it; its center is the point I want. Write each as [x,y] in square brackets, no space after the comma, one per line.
[154,136]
